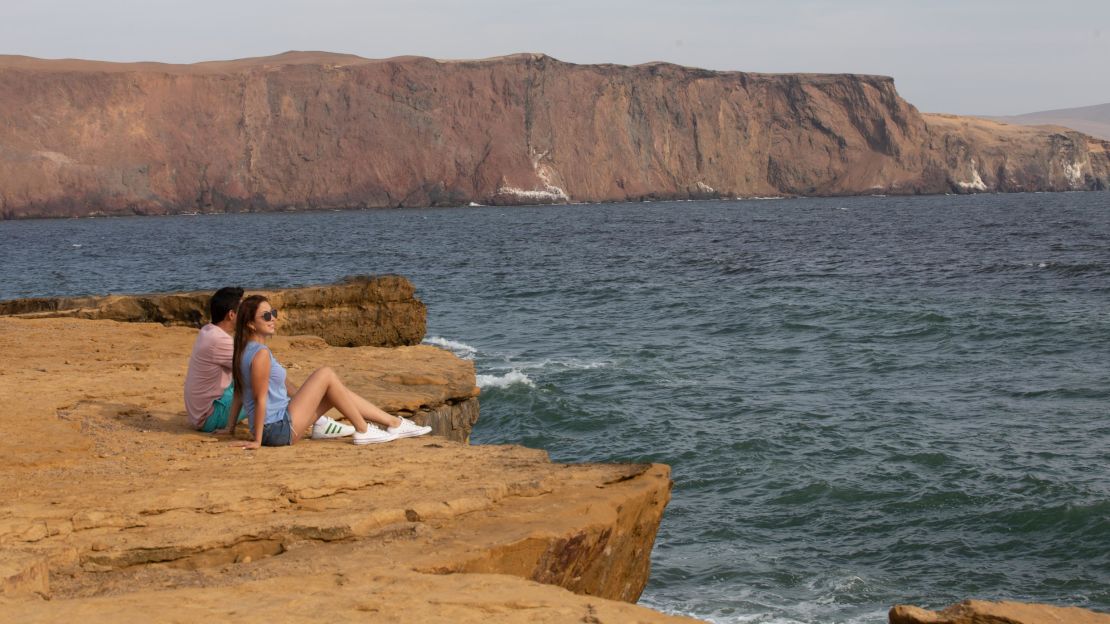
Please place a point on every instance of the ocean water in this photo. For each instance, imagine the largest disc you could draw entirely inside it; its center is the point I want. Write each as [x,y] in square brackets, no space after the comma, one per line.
[865,401]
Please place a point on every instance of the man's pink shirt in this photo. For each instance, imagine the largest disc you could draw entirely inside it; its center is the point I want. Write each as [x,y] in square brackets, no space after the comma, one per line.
[209,372]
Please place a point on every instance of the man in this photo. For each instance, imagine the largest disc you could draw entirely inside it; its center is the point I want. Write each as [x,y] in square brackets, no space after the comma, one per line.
[208,386]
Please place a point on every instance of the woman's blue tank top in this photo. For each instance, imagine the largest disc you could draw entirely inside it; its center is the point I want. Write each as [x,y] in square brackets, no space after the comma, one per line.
[277,399]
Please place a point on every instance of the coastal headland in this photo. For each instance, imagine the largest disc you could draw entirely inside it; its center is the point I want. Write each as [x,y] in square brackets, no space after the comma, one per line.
[115,510]
[314,130]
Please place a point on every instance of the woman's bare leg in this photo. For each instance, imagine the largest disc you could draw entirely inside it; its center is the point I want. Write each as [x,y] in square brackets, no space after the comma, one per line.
[369,411]
[374,413]
[323,385]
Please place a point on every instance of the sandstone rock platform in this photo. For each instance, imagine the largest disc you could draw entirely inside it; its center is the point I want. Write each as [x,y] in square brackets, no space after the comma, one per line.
[985,612]
[114,510]
[376,311]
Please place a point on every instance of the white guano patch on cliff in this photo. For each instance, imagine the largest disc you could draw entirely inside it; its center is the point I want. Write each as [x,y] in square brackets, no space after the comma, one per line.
[547,174]
[54,157]
[705,188]
[1074,173]
[976,183]
[549,193]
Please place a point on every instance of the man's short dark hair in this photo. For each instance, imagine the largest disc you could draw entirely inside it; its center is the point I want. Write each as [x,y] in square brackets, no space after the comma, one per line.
[225,300]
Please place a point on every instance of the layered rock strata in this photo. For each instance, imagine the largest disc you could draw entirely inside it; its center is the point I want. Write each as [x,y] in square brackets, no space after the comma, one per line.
[361,311]
[317,130]
[115,510]
[984,155]
[984,612]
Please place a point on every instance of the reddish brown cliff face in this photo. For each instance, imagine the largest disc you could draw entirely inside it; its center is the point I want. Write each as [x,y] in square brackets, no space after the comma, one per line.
[314,130]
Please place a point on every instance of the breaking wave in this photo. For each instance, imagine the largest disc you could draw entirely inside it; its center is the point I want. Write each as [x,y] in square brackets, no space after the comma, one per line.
[503,381]
[460,349]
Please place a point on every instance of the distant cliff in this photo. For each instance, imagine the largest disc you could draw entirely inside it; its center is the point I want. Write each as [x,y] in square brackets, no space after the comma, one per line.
[1092,120]
[317,130]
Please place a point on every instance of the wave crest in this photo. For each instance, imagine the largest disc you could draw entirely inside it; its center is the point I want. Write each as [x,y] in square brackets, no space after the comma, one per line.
[504,381]
[460,349]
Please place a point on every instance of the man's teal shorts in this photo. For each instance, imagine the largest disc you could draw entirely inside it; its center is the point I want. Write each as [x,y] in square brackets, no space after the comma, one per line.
[220,408]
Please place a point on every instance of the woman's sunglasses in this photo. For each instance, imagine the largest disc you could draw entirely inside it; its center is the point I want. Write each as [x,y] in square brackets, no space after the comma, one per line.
[269,315]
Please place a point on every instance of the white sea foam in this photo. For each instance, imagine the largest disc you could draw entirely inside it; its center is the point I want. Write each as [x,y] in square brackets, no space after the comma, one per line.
[573,364]
[585,365]
[820,613]
[808,612]
[549,363]
[503,381]
[460,349]
[76,245]
[474,204]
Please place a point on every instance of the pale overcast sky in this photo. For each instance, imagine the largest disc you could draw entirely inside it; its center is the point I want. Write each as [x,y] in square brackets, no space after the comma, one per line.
[971,57]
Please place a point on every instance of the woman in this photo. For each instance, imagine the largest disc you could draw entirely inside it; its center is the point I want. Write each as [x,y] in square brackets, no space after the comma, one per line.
[277,420]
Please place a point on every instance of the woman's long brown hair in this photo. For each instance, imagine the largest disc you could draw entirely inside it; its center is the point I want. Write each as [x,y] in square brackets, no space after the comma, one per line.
[247,309]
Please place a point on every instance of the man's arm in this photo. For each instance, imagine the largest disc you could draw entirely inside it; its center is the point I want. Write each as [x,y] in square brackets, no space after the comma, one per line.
[222,352]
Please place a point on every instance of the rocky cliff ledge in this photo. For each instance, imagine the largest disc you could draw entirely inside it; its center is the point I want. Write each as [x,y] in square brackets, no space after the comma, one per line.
[116,511]
[317,130]
[360,311]
[983,612]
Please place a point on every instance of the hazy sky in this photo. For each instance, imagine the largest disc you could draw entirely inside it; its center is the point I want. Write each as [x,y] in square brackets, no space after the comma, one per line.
[973,56]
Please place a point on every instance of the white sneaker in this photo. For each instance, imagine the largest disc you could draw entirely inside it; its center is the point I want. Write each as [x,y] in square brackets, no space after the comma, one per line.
[409,429]
[373,435]
[328,428]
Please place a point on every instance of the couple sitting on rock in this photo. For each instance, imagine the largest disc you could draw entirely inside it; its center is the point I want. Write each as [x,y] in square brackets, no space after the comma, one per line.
[278,412]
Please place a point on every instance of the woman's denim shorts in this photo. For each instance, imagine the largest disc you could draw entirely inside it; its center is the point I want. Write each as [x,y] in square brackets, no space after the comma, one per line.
[278,433]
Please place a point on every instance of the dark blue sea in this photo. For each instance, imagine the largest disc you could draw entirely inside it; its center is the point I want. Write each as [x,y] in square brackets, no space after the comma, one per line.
[865,401]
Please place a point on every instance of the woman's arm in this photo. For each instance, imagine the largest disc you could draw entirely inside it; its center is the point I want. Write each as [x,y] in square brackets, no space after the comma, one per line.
[236,407]
[260,385]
